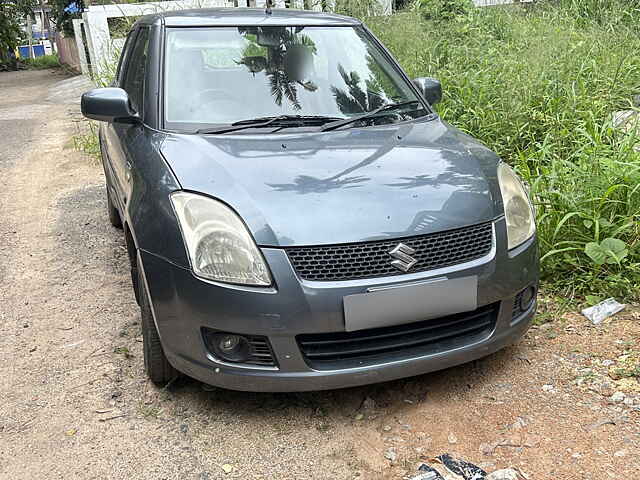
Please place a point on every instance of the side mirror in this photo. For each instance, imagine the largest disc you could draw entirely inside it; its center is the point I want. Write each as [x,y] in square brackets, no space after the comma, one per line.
[108,105]
[430,88]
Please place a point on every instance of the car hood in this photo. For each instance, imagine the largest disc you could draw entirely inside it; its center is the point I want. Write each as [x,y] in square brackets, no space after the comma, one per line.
[343,186]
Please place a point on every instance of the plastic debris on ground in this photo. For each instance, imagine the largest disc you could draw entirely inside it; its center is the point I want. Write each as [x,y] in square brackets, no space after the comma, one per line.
[461,469]
[505,474]
[427,473]
[465,469]
[599,312]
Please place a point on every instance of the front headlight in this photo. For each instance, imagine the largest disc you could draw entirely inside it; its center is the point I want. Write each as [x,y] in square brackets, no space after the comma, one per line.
[518,211]
[218,243]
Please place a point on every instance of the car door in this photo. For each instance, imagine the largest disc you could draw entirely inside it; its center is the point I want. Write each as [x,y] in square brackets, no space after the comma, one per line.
[119,137]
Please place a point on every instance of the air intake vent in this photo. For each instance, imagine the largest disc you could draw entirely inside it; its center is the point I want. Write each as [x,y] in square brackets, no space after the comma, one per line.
[328,351]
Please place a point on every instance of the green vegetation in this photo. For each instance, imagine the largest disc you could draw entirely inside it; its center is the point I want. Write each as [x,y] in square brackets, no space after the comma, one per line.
[39,63]
[85,139]
[12,14]
[538,85]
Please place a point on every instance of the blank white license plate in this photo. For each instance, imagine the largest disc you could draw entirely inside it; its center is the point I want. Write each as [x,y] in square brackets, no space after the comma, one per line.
[413,302]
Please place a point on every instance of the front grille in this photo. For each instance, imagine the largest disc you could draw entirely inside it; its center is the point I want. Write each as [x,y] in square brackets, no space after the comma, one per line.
[371,259]
[328,351]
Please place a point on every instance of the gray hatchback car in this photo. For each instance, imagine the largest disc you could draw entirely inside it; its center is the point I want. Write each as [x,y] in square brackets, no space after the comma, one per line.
[297,216]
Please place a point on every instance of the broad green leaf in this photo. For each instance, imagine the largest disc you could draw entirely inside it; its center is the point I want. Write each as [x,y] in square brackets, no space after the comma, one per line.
[610,250]
[616,249]
[595,252]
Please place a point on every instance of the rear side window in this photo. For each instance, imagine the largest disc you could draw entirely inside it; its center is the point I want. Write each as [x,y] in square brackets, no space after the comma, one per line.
[136,69]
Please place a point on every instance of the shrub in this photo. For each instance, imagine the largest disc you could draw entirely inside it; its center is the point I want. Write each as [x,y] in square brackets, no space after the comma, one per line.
[42,62]
[442,9]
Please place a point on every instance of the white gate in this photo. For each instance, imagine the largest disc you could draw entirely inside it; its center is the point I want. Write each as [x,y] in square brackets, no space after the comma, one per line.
[103,50]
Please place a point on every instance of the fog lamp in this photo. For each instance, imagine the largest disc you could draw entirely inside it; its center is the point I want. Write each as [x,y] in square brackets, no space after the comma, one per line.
[527,297]
[230,347]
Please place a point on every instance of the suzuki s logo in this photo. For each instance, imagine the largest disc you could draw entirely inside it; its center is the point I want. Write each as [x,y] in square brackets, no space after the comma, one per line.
[403,259]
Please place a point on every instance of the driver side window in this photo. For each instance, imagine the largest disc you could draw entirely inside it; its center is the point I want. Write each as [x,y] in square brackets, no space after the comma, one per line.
[134,81]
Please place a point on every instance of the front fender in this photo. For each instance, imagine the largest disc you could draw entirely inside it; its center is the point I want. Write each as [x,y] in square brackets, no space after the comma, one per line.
[149,213]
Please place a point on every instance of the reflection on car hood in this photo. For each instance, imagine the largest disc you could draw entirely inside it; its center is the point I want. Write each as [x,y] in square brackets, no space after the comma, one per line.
[343,186]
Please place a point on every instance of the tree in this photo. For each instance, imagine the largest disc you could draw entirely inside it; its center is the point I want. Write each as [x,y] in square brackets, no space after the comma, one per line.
[12,16]
[63,12]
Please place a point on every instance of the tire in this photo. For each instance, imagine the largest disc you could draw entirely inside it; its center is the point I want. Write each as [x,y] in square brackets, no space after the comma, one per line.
[158,368]
[114,215]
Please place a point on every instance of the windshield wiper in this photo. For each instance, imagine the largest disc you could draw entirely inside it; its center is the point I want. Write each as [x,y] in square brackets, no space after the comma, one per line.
[372,113]
[276,121]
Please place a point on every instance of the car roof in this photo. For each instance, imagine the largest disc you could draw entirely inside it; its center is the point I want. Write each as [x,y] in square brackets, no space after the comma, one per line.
[212,17]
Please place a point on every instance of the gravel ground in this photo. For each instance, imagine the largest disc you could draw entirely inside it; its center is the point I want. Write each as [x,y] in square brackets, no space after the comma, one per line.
[76,404]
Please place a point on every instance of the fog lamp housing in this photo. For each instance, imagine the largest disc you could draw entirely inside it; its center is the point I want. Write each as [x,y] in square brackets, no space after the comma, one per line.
[524,300]
[237,348]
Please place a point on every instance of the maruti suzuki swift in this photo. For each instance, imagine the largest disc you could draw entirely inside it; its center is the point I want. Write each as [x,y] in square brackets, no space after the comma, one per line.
[297,215]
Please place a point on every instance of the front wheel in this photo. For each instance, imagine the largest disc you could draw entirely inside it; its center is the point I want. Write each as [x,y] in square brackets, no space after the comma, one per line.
[158,368]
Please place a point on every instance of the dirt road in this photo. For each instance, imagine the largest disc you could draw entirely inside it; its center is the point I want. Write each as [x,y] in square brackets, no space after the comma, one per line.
[75,402]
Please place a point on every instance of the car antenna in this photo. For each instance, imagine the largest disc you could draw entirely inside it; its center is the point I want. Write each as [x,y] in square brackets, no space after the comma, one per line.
[268,9]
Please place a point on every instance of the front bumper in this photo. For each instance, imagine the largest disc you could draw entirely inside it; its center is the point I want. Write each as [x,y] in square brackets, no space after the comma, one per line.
[182,304]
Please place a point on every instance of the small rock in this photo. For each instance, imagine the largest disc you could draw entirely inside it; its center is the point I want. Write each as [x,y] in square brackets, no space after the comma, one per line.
[452,439]
[519,424]
[606,389]
[547,388]
[624,119]
[576,455]
[487,448]
[607,363]
[33,349]
[226,468]
[184,428]
[617,397]
[386,428]
[620,453]
[504,474]
[628,402]
[359,416]
[391,455]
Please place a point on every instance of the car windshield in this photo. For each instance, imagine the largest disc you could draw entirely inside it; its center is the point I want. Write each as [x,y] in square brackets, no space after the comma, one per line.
[221,75]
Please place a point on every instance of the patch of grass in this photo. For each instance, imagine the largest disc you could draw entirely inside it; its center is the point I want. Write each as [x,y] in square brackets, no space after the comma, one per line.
[42,62]
[124,351]
[627,366]
[86,139]
[538,85]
